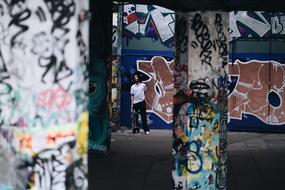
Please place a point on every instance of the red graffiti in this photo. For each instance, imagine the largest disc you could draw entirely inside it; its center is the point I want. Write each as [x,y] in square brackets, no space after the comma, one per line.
[159,95]
[54,136]
[54,98]
[259,91]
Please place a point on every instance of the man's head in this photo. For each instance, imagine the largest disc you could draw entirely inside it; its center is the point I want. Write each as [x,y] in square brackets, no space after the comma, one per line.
[136,78]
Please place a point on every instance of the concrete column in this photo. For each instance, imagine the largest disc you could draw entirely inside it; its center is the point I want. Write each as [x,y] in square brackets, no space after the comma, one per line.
[200,101]
[43,101]
[100,75]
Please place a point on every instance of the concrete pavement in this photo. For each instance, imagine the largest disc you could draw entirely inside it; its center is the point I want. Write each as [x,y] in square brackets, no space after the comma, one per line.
[143,162]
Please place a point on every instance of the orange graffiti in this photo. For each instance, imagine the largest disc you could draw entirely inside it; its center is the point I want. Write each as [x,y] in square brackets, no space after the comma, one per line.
[257,79]
[159,96]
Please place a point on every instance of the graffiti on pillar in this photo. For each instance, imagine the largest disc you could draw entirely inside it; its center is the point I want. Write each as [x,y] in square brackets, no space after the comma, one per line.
[181,64]
[251,94]
[256,24]
[99,122]
[115,30]
[51,167]
[115,106]
[43,94]
[149,21]
[159,97]
[200,114]
[100,79]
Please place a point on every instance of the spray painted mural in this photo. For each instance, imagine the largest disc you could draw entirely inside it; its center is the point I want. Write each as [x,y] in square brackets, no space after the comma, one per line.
[100,76]
[43,87]
[156,72]
[149,22]
[252,94]
[256,99]
[257,24]
[116,48]
[200,101]
[148,42]
[159,97]
[115,106]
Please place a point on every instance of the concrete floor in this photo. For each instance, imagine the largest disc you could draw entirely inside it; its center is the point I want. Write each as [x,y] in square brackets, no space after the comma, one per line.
[143,162]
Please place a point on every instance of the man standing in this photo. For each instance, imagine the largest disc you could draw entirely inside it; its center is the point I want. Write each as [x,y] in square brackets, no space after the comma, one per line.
[138,90]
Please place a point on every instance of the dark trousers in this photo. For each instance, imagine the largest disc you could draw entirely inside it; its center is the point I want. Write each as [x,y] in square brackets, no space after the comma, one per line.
[141,108]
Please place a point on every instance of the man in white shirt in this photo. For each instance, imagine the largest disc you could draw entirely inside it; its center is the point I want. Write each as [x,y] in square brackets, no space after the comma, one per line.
[138,91]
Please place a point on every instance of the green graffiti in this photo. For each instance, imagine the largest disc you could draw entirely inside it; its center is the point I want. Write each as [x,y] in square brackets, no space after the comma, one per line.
[98,108]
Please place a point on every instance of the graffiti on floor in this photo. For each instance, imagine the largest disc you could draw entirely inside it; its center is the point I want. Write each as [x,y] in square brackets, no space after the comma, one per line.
[159,96]
[200,114]
[251,94]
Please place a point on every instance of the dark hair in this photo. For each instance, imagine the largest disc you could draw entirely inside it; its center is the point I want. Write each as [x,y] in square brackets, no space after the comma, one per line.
[139,77]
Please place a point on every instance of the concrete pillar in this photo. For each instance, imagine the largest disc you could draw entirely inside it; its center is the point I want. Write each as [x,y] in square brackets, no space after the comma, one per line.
[100,75]
[43,101]
[200,101]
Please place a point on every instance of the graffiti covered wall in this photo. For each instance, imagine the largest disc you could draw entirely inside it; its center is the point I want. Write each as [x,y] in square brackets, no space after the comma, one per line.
[43,87]
[116,76]
[156,72]
[146,26]
[256,99]
[252,94]
[200,101]
[100,74]
[148,49]
[256,24]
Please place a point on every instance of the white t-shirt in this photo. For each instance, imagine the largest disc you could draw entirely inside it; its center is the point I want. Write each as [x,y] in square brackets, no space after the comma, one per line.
[138,90]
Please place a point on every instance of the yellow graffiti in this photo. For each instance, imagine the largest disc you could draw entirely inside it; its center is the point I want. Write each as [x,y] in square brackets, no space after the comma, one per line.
[82,134]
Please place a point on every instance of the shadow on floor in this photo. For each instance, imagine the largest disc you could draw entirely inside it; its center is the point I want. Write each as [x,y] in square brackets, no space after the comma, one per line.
[143,162]
[135,162]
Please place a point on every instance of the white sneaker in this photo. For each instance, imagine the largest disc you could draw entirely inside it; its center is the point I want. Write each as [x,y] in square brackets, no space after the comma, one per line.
[147,132]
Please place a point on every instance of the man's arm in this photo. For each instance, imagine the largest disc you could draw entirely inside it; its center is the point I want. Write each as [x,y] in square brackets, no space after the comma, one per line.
[132,97]
[132,100]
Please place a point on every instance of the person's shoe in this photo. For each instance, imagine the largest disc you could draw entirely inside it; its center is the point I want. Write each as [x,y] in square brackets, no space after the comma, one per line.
[138,130]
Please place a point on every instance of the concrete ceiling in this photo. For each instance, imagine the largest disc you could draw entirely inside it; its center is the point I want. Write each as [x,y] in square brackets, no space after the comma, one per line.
[226,5]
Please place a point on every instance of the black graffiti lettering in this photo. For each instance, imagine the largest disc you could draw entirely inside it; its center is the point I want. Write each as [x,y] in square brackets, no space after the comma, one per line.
[206,57]
[222,40]
[204,39]
[41,14]
[61,12]
[181,33]
[18,18]
[76,177]
[60,71]
[5,88]
[83,55]
[50,167]
[1,10]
